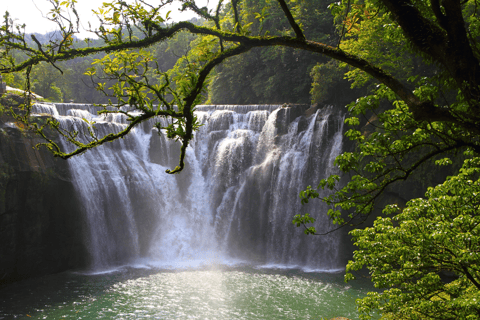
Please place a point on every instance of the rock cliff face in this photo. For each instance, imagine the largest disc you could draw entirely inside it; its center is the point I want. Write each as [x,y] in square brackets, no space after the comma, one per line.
[40,218]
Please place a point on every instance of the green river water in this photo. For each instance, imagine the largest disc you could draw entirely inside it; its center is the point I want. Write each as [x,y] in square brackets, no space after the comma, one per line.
[213,292]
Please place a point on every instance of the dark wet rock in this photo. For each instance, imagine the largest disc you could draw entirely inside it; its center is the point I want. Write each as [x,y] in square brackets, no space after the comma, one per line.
[41,223]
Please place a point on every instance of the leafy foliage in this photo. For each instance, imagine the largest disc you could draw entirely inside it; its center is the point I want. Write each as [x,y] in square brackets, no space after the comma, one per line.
[326,79]
[408,253]
[273,74]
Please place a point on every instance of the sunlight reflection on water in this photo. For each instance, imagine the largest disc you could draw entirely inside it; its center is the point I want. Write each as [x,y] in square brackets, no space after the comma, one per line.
[210,293]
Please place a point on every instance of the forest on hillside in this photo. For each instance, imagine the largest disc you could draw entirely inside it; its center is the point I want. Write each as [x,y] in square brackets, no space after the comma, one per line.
[272,75]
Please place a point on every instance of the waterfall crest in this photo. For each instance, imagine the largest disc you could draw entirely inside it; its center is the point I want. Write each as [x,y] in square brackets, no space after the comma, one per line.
[235,199]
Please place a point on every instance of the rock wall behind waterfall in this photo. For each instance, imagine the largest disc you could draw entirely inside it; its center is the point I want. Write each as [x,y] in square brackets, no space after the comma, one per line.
[235,199]
[41,224]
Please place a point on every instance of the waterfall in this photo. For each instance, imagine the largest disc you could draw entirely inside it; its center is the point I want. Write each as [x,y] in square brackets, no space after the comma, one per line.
[235,199]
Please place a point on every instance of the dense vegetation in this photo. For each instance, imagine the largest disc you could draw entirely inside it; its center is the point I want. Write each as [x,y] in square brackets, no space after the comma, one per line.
[253,78]
[416,63]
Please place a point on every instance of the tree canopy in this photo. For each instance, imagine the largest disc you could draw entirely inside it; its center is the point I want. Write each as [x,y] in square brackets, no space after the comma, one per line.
[419,61]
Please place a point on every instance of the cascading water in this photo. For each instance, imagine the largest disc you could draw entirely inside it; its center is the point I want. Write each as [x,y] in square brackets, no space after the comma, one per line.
[236,197]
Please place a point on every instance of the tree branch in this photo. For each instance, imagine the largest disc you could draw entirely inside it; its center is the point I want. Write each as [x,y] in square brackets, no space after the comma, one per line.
[235,14]
[189,100]
[422,110]
[438,13]
[449,47]
[291,20]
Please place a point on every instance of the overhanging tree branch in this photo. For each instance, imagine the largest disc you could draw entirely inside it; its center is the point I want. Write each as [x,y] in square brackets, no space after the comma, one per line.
[416,27]
[291,20]
[449,46]
[422,110]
